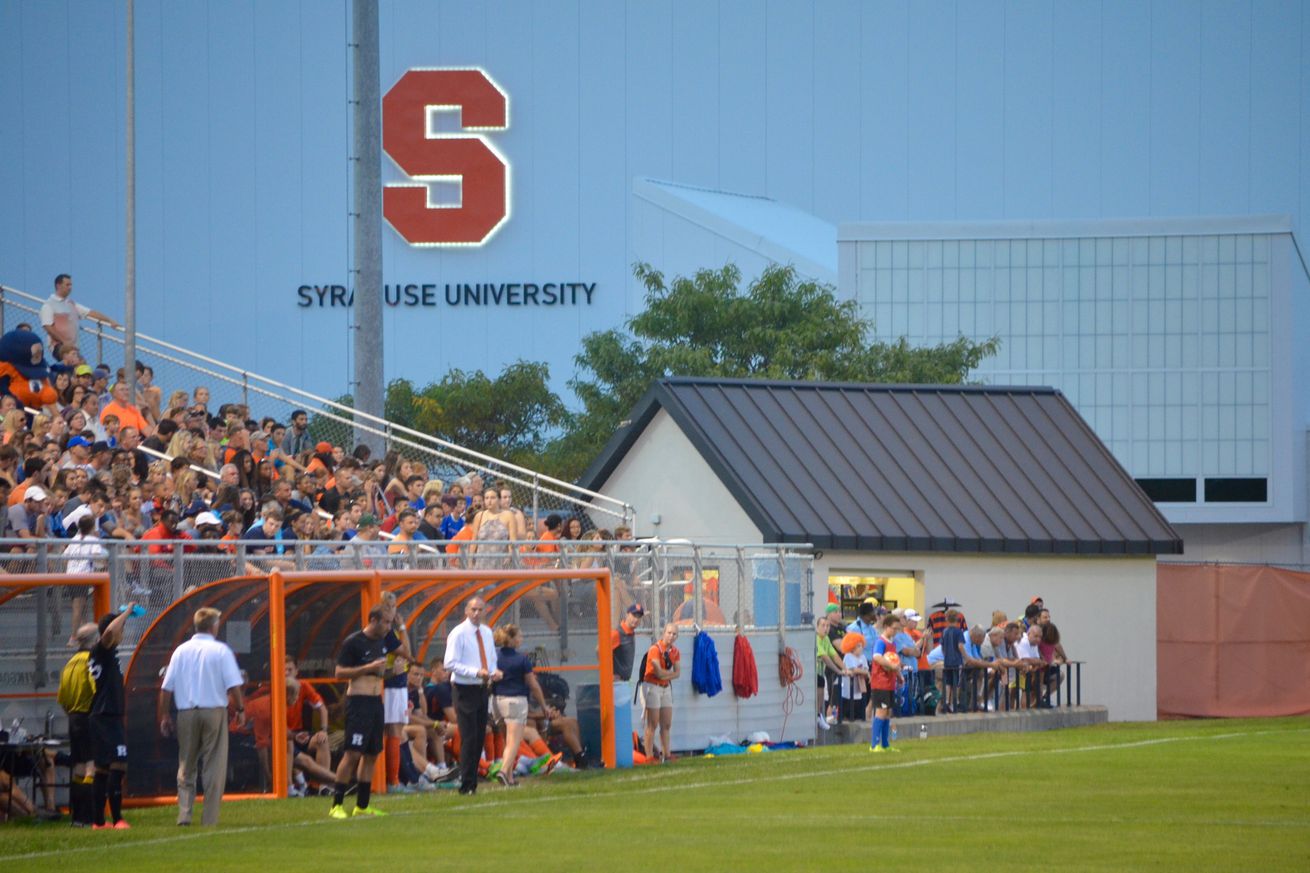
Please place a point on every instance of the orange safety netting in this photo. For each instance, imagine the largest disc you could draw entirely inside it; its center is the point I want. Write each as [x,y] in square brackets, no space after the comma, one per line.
[1232,641]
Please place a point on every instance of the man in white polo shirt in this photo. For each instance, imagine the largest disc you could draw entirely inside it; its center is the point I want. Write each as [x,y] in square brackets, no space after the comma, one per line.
[60,314]
[200,677]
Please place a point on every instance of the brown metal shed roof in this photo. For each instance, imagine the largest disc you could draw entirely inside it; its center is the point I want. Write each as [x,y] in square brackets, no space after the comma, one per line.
[907,467]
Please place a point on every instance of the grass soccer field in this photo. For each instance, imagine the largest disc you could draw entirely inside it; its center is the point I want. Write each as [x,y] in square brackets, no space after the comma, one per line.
[1208,795]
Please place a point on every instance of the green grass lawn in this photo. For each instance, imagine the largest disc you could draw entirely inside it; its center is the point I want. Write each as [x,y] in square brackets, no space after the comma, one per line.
[1198,795]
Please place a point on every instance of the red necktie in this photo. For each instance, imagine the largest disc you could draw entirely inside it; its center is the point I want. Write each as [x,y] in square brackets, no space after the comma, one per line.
[482,652]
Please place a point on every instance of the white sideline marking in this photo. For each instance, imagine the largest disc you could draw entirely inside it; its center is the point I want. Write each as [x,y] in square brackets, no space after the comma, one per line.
[476,806]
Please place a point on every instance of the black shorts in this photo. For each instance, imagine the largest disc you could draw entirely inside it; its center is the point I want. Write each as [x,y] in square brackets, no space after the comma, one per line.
[363,724]
[81,748]
[108,740]
[951,676]
[882,698]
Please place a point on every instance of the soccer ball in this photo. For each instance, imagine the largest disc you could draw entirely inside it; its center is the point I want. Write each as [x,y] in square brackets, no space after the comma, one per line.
[894,659]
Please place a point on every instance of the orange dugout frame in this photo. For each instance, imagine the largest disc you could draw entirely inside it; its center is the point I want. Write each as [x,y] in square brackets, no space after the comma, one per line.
[418,592]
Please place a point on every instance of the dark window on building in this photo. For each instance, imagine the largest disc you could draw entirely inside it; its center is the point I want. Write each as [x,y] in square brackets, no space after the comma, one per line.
[1236,490]
[1169,490]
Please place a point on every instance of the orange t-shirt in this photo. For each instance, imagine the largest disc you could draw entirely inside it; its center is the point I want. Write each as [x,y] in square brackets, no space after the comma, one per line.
[546,546]
[259,714]
[916,635]
[655,654]
[16,496]
[128,416]
[465,533]
[296,711]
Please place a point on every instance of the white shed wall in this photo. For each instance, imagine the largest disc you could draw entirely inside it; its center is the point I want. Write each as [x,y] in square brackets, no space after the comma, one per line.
[664,476]
[1104,607]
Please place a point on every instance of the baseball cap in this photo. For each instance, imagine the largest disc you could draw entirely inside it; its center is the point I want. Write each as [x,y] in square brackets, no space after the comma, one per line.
[205,518]
[82,370]
[99,446]
[79,441]
[323,448]
[102,370]
[368,519]
[636,609]
[35,492]
[911,615]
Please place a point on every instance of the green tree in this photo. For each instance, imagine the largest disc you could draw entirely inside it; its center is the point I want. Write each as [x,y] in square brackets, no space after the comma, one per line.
[511,417]
[781,327]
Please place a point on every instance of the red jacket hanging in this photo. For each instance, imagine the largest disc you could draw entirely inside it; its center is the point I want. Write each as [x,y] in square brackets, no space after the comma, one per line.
[745,678]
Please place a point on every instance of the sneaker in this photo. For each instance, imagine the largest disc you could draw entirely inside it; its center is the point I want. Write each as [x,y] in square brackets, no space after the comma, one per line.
[443,770]
[337,811]
[122,825]
[891,748]
[537,764]
[367,810]
[325,791]
[504,778]
[552,763]
[401,788]
[494,770]
[296,791]
[424,785]
[876,749]
[823,723]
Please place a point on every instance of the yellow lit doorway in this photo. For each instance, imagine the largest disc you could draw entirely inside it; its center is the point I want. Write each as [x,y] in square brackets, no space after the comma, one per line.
[891,588]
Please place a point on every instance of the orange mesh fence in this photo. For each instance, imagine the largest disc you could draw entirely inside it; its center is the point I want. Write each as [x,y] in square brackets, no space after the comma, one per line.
[1232,641]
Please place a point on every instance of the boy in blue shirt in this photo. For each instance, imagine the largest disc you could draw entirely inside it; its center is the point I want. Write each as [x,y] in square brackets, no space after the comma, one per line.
[952,661]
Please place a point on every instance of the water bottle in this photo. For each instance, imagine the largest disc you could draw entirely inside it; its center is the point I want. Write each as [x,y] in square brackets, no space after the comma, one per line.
[138,611]
[895,733]
[923,731]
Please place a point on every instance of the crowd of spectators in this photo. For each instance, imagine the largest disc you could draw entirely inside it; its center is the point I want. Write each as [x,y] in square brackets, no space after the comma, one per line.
[165,466]
[945,665]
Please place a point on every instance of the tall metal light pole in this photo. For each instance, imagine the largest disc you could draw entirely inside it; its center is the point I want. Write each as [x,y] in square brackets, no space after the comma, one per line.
[129,219]
[367,114]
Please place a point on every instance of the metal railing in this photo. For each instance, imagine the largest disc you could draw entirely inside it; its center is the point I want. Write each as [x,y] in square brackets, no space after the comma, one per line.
[974,690]
[331,420]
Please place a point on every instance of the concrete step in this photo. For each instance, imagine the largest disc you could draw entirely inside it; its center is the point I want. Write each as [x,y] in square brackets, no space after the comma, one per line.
[1023,721]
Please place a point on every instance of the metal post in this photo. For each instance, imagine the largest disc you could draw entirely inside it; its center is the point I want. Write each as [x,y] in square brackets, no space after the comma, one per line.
[698,606]
[245,390]
[179,579]
[782,592]
[367,218]
[129,224]
[2,309]
[536,505]
[741,589]
[42,628]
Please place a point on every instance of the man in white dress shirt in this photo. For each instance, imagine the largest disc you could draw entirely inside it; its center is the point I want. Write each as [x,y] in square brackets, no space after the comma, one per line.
[200,677]
[471,660]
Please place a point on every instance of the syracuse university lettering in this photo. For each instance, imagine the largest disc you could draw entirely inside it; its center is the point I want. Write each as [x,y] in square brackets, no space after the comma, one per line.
[457,294]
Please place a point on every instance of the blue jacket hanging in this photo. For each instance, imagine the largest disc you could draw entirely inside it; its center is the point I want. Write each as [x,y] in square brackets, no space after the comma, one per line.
[705,676]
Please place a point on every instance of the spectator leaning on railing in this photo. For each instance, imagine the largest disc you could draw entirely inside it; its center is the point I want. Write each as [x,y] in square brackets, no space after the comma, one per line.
[60,314]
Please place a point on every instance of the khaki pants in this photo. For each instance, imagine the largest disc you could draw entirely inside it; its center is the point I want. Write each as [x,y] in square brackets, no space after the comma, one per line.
[201,733]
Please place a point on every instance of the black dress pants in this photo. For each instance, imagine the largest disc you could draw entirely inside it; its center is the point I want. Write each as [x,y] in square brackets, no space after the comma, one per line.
[471,716]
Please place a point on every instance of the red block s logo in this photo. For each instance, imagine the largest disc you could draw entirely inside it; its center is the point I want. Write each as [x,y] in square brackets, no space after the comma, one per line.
[426,157]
